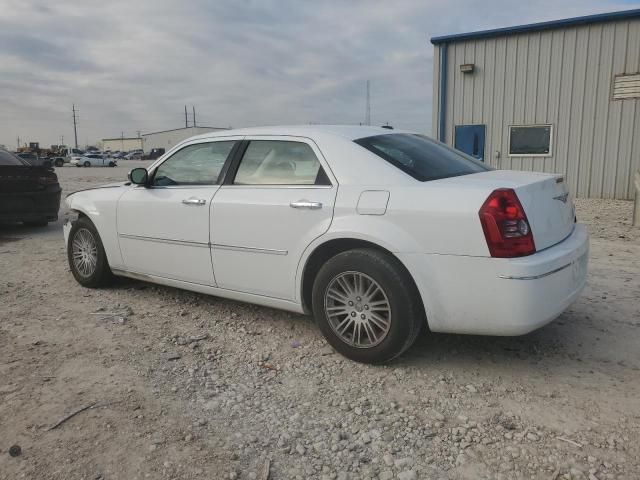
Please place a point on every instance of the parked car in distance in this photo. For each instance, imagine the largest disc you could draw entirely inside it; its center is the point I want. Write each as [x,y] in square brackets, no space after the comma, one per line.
[134,155]
[93,160]
[34,160]
[153,154]
[379,233]
[28,194]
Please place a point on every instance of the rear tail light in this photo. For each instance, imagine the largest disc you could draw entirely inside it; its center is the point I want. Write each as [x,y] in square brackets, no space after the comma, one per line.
[505,225]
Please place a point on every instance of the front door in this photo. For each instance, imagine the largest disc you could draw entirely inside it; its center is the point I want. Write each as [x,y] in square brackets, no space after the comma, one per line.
[163,228]
[275,203]
[470,140]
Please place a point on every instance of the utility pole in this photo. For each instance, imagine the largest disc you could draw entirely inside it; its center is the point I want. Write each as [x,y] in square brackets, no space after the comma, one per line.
[138,132]
[194,115]
[367,118]
[18,139]
[75,125]
[61,139]
[186,119]
[122,141]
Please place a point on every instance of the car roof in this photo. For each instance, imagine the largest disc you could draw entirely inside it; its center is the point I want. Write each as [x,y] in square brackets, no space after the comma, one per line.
[348,132]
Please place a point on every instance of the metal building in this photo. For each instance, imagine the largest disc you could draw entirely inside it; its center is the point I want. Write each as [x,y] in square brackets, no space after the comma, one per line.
[122,144]
[560,96]
[168,138]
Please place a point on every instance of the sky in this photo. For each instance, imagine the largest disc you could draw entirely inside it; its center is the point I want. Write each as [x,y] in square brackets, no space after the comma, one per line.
[131,66]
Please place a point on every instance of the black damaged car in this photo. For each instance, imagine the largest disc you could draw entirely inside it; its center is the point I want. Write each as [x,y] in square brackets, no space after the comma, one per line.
[28,194]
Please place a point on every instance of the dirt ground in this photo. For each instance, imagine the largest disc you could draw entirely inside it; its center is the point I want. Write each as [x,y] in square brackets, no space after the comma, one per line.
[186,386]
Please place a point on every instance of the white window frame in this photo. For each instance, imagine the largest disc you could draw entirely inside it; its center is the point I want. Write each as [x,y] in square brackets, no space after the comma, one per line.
[537,125]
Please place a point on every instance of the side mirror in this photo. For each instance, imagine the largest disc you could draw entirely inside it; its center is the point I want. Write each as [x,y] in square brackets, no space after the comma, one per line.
[139,176]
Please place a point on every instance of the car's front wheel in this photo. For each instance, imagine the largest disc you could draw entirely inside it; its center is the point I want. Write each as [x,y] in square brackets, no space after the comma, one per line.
[87,164]
[59,162]
[87,259]
[367,306]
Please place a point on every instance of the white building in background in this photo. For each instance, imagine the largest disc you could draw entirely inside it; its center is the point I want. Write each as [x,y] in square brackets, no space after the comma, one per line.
[560,96]
[168,138]
[122,144]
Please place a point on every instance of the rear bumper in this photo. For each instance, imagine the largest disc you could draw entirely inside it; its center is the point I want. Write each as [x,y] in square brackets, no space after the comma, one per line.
[494,296]
[30,206]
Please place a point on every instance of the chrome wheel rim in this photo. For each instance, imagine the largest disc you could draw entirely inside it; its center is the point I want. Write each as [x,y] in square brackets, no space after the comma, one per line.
[84,251]
[357,309]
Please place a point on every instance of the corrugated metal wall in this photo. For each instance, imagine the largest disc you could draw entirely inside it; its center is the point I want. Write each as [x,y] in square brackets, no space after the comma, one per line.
[562,77]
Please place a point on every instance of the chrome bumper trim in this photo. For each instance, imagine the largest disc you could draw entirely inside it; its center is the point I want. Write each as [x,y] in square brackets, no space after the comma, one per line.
[542,275]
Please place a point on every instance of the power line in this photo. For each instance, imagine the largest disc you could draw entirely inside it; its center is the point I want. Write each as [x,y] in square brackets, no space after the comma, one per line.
[75,126]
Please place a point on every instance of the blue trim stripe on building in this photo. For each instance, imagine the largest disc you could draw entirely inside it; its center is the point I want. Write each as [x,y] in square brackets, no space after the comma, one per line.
[533,27]
[442,89]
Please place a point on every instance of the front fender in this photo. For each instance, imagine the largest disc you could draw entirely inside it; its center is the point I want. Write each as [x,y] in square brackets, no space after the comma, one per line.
[100,206]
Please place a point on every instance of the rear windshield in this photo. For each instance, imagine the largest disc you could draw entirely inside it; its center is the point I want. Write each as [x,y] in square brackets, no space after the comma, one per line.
[7,158]
[422,158]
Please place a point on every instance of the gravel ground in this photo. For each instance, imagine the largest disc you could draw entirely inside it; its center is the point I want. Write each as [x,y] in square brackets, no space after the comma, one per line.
[188,386]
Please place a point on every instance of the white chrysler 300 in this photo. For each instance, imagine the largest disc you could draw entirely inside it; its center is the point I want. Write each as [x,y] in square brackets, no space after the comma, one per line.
[376,232]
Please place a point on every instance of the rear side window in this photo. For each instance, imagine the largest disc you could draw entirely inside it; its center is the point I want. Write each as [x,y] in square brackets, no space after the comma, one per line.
[198,164]
[7,158]
[279,162]
[422,158]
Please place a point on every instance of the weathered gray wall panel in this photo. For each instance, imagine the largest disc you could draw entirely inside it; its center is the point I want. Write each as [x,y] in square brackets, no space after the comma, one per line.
[562,77]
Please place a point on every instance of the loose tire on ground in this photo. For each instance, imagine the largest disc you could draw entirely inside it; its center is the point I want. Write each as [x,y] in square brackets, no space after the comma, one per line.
[84,233]
[366,271]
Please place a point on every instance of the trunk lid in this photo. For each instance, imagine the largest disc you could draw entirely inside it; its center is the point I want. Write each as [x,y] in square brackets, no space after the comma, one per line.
[25,179]
[544,197]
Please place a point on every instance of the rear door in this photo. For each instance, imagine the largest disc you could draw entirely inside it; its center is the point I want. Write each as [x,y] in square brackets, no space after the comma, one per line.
[276,200]
[163,229]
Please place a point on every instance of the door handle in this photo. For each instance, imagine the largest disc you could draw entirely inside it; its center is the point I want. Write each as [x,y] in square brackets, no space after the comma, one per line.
[194,201]
[306,204]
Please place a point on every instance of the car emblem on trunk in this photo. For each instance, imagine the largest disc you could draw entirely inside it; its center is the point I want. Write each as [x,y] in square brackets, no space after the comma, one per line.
[562,198]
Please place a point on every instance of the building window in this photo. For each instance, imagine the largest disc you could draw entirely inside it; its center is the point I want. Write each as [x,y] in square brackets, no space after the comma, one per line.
[530,140]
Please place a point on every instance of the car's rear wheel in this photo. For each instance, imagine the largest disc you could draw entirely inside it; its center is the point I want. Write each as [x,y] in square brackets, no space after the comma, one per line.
[59,162]
[87,259]
[87,164]
[367,305]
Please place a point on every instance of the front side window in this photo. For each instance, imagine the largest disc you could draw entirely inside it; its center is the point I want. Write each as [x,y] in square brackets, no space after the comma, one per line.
[198,164]
[422,158]
[530,140]
[275,162]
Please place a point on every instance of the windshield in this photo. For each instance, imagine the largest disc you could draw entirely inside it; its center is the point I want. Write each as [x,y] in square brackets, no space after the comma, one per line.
[422,158]
[7,158]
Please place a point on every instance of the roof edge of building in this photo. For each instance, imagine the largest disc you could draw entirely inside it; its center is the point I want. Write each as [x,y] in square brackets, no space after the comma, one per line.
[120,138]
[533,27]
[185,128]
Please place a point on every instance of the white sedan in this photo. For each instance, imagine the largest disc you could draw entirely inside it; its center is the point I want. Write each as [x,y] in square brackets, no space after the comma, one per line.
[93,160]
[377,233]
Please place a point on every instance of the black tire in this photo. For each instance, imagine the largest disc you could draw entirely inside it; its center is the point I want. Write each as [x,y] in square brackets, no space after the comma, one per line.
[36,223]
[102,275]
[87,164]
[59,162]
[111,164]
[407,314]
